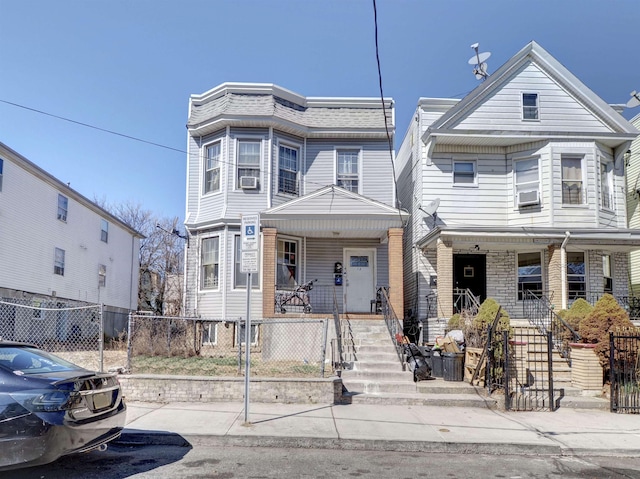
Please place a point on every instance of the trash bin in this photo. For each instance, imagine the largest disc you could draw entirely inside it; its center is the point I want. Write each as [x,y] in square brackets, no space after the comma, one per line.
[453,366]
[436,360]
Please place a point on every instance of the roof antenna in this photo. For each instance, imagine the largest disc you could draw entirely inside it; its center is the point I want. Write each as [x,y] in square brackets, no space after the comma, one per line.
[480,62]
[635,100]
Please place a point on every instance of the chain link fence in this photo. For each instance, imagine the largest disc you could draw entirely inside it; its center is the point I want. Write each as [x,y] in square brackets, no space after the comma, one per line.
[73,333]
[291,348]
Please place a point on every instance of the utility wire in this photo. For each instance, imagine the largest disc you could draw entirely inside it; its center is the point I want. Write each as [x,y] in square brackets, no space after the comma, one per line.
[92,126]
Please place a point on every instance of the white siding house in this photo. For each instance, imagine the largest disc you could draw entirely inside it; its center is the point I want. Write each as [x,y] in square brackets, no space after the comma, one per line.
[319,173]
[633,203]
[517,187]
[59,248]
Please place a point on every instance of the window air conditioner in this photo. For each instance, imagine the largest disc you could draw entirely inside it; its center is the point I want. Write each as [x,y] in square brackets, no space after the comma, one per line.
[528,198]
[248,182]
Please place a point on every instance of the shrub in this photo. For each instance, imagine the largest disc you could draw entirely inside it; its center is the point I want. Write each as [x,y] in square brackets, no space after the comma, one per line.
[607,315]
[455,322]
[476,335]
[578,311]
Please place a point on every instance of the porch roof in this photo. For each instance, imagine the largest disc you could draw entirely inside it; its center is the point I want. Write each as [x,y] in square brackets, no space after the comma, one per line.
[333,212]
[527,238]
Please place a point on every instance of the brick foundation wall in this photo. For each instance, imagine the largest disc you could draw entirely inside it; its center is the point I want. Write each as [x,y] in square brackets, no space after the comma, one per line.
[163,389]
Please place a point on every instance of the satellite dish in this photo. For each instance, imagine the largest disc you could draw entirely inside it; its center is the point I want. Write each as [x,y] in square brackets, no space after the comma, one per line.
[480,62]
[431,207]
[635,100]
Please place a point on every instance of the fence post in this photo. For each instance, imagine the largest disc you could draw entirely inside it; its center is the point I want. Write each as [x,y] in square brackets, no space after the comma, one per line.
[552,404]
[129,331]
[507,368]
[101,338]
[325,326]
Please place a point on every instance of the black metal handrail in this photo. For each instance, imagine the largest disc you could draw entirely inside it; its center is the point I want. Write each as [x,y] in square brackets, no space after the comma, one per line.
[396,330]
[465,300]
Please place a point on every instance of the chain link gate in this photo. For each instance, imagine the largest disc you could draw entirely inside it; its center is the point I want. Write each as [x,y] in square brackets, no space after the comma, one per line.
[624,363]
[216,347]
[72,333]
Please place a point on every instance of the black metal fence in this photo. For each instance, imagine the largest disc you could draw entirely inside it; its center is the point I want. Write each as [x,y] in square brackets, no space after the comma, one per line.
[624,362]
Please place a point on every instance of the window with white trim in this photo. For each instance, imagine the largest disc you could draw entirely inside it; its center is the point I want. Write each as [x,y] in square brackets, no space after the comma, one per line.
[288,170]
[606,273]
[63,207]
[606,184]
[240,278]
[241,334]
[572,181]
[529,274]
[287,263]
[527,182]
[210,263]
[464,173]
[576,275]
[58,262]
[209,333]
[530,106]
[102,275]
[347,169]
[249,159]
[212,168]
[104,231]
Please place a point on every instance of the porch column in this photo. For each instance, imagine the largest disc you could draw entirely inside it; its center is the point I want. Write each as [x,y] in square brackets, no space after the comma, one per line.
[444,265]
[555,273]
[396,274]
[269,248]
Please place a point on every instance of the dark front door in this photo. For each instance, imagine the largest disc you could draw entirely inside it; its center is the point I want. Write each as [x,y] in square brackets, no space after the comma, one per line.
[470,272]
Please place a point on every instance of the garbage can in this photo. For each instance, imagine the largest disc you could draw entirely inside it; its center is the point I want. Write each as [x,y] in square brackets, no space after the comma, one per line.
[453,366]
[436,360]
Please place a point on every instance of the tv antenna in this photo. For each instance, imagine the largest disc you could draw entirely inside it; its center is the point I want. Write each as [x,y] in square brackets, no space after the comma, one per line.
[635,100]
[480,62]
[431,208]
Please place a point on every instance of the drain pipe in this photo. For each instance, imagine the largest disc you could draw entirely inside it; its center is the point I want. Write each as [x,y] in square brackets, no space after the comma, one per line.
[563,266]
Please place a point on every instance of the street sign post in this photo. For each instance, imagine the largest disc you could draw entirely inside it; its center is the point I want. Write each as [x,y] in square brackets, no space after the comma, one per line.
[249,263]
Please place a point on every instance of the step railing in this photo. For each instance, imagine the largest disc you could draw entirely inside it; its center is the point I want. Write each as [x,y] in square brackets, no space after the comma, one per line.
[396,330]
[539,311]
[343,351]
[465,300]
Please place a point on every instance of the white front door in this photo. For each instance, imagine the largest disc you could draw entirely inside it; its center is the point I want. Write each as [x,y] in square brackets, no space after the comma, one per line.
[360,274]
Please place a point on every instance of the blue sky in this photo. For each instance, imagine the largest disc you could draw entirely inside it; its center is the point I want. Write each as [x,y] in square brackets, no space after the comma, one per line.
[130,66]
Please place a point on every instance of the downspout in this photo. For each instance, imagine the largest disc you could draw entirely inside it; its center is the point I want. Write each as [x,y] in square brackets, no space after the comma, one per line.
[563,266]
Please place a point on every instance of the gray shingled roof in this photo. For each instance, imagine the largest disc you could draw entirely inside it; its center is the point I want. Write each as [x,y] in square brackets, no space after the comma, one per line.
[235,105]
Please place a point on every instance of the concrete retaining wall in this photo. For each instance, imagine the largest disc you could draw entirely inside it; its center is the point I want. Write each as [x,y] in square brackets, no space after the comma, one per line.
[152,388]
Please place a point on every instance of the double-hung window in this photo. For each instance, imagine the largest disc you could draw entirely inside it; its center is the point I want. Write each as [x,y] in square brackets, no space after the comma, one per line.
[240,278]
[210,263]
[63,207]
[572,181]
[347,169]
[576,275]
[209,333]
[606,273]
[212,168]
[249,161]
[287,261]
[102,275]
[58,262]
[464,173]
[287,170]
[527,182]
[606,184]
[241,334]
[1,166]
[530,106]
[104,231]
[529,274]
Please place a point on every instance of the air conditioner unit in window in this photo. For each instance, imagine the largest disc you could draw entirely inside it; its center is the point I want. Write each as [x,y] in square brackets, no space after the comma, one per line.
[528,198]
[248,182]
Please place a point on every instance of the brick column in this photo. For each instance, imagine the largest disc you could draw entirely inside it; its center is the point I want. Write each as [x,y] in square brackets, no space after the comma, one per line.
[444,265]
[555,273]
[396,274]
[269,245]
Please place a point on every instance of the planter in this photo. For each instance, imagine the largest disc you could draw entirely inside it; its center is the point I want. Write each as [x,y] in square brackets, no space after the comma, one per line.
[586,371]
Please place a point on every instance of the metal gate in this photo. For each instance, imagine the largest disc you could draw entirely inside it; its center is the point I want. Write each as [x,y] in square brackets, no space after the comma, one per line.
[625,371]
[527,368]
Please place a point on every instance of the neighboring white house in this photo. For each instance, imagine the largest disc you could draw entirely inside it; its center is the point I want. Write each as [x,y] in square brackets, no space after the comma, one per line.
[517,187]
[59,249]
[319,173]
[633,203]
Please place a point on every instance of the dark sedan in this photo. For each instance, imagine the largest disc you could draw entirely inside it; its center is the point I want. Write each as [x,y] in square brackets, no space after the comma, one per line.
[50,407]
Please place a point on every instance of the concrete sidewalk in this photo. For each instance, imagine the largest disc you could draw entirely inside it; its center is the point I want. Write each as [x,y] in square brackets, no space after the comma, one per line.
[389,428]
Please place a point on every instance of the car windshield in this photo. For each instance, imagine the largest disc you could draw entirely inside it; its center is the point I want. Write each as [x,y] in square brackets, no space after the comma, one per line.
[27,360]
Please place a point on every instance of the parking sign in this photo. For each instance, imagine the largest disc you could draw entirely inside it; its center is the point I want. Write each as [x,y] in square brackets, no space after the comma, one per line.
[249,243]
